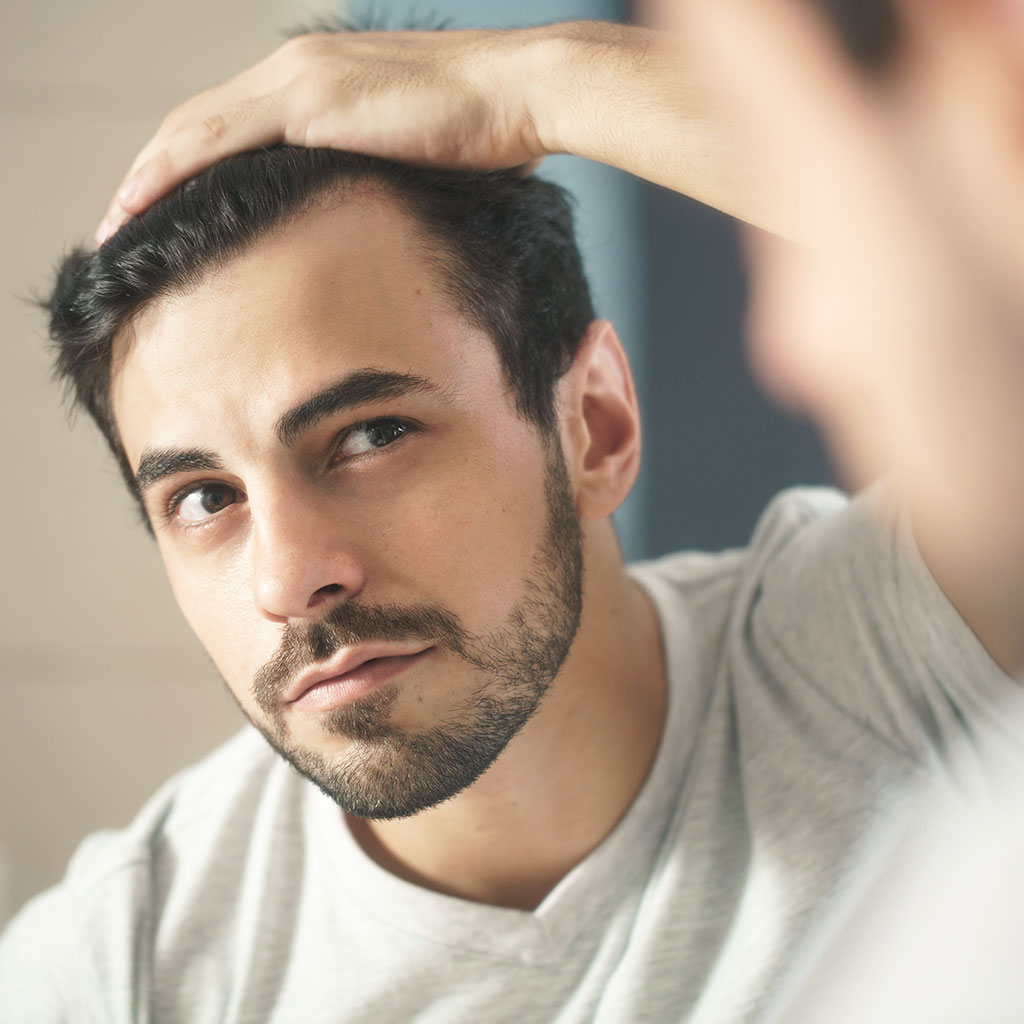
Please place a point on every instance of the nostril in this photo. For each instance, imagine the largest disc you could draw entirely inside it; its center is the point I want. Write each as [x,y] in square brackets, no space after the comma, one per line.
[325,592]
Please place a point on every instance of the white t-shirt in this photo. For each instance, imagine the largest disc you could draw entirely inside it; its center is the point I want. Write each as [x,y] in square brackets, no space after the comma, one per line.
[814,679]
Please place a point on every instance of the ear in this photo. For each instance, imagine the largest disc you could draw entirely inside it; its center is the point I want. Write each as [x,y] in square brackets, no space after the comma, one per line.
[600,423]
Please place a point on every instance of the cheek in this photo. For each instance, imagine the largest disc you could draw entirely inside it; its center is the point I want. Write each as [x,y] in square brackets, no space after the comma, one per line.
[220,610]
[460,535]
[467,543]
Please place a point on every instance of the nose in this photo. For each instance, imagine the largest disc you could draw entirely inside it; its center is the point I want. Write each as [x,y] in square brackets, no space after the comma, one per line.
[301,561]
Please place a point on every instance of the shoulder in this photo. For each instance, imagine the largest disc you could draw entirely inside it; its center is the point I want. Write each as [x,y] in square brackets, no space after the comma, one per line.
[838,599]
[792,511]
[89,937]
[224,784]
[705,588]
[831,606]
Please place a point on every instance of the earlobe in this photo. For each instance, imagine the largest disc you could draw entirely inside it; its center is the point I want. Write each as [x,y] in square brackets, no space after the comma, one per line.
[601,423]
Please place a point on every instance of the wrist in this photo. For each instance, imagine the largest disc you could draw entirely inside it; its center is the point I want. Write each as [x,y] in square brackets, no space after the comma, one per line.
[575,78]
[545,61]
[552,66]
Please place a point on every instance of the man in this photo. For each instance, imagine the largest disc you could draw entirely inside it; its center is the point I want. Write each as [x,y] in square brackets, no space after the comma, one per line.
[378,436]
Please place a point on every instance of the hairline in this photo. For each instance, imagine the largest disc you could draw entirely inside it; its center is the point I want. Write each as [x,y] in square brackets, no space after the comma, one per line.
[331,196]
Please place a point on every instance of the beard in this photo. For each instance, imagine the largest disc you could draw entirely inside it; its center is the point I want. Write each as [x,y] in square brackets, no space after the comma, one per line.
[392,773]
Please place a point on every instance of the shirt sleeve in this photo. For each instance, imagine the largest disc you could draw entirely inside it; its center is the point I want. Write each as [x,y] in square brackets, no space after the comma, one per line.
[36,986]
[75,953]
[840,601]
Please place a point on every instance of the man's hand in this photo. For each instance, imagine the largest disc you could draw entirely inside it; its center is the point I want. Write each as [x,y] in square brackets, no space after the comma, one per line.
[466,99]
[455,99]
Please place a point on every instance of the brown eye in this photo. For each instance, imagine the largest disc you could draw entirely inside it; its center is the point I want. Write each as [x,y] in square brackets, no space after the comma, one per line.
[367,436]
[204,501]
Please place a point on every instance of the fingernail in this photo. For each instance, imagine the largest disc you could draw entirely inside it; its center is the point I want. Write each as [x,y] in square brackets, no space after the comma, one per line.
[103,232]
[128,193]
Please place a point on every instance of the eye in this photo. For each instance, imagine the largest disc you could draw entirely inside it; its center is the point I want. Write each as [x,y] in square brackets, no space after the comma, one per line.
[202,502]
[365,437]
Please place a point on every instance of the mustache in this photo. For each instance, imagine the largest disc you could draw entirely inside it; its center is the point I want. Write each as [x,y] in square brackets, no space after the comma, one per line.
[347,625]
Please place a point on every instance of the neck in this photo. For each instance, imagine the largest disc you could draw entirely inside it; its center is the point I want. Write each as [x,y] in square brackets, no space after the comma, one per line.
[566,779]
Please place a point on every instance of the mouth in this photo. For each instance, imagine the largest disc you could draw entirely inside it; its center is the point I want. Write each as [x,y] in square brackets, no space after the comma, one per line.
[352,677]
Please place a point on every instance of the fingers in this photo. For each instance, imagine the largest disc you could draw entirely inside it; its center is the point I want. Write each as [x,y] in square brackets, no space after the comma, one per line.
[195,141]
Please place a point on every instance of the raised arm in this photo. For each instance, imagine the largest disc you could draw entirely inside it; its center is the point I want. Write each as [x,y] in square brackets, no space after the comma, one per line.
[620,95]
[900,329]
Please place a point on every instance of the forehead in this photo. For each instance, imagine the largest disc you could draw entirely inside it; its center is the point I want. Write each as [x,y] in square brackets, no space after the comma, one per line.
[341,288]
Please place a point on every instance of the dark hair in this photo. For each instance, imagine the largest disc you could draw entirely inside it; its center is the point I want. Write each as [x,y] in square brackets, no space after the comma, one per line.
[504,243]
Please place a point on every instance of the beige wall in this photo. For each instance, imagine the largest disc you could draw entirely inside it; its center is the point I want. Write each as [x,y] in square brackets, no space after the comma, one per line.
[103,690]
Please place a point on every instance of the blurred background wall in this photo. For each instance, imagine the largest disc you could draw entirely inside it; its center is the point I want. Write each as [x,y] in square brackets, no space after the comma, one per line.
[104,691]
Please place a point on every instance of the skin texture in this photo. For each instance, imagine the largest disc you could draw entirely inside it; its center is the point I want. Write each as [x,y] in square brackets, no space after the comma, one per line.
[392,771]
[453,515]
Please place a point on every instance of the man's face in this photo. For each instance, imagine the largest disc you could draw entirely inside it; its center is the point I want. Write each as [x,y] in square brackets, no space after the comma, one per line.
[382,558]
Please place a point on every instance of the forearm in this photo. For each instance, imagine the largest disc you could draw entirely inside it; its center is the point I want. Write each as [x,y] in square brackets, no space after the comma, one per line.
[644,101]
[638,99]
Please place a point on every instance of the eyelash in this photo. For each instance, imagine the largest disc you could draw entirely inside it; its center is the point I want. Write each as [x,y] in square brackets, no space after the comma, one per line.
[170,510]
[407,427]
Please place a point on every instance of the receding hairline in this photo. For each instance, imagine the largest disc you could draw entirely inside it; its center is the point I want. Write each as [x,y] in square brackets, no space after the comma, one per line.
[367,193]
[332,196]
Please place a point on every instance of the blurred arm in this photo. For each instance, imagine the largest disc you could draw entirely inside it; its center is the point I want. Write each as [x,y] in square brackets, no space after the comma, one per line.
[900,329]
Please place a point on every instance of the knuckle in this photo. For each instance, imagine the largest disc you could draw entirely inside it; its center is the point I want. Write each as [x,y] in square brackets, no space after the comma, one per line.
[313,91]
[303,50]
[308,88]
[213,127]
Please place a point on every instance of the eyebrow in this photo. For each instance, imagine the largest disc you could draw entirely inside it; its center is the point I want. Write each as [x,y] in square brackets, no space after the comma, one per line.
[354,389]
[156,463]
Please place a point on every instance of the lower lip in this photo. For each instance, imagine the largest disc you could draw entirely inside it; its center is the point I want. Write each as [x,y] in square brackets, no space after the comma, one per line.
[334,692]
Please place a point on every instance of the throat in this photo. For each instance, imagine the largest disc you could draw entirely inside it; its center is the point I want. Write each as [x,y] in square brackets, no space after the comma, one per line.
[522,886]
[561,786]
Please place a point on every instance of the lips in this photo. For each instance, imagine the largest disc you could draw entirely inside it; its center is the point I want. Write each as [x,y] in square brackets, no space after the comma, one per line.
[350,672]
